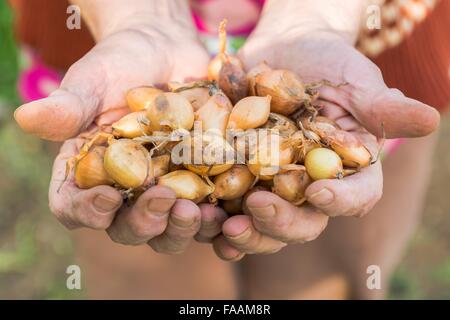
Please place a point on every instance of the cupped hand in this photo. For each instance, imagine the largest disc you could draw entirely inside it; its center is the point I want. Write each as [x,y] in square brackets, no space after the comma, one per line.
[93,93]
[364,106]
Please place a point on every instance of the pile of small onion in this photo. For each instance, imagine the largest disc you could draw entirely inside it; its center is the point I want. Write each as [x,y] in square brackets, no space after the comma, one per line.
[136,152]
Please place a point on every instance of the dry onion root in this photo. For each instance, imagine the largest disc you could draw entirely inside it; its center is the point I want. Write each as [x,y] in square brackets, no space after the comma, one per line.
[227,70]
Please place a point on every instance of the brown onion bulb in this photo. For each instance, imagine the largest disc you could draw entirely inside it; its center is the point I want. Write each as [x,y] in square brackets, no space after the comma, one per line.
[281,123]
[170,111]
[89,170]
[128,163]
[232,207]
[131,126]
[251,76]
[353,153]
[291,184]
[233,183]
[285,87]
[228,70]
[196,95]
[139,98]
[250,113]
[323,163]
[186,185]
[214,114]
[161,165]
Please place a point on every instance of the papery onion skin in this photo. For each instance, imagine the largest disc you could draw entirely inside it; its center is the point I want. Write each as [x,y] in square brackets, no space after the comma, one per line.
[251,76]
[233,183]
[285,87]
[161,165]
[291,185]
[130,126]
[89,171]
[197,96]
[348,146]
[170,111]
[215,113]
[263,163]
[323,163]
[128,163]
[139,98]
[250,113]
[186,185]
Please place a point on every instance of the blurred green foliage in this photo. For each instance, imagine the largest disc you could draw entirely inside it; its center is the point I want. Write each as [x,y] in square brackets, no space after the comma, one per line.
[9,64]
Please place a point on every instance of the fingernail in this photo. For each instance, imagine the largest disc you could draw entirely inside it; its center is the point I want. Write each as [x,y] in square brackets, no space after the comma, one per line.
[263,212]
[321,198]
[104,204]
[182,221]
[160,205]
[242,237]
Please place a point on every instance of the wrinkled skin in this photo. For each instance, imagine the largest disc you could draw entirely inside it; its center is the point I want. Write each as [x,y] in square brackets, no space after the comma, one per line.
[362,106]
[92,93]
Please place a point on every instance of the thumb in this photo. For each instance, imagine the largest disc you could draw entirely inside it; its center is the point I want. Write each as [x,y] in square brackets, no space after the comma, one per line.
[58,117]
[398,115]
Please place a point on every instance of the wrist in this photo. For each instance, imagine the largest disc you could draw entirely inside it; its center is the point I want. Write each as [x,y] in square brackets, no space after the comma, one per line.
[152,17]
[293,18]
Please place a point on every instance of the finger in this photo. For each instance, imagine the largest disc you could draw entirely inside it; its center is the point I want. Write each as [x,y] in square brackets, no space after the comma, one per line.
[354,195]
[226,251]
[184,223]
[146,219]
[212,218]
[241,234]
[279,219]
[400,116]
[70,109]
[93,208]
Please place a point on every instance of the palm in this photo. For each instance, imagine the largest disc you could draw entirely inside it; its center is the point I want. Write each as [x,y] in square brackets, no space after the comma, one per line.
[94,88]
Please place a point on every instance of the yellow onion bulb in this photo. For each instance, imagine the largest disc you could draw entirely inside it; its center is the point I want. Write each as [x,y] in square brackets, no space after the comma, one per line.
[170,111]
[186,185]
[285,87]
[250,113]
[89,170]
[216,156]
[233,183]
[214,114]
[139,98]
[323,163]
[128,163]
[197,96]
[131,126]
[291,184]
[271,153]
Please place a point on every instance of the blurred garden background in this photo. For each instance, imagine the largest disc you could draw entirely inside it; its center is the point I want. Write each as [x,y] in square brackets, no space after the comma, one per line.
[35,249]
